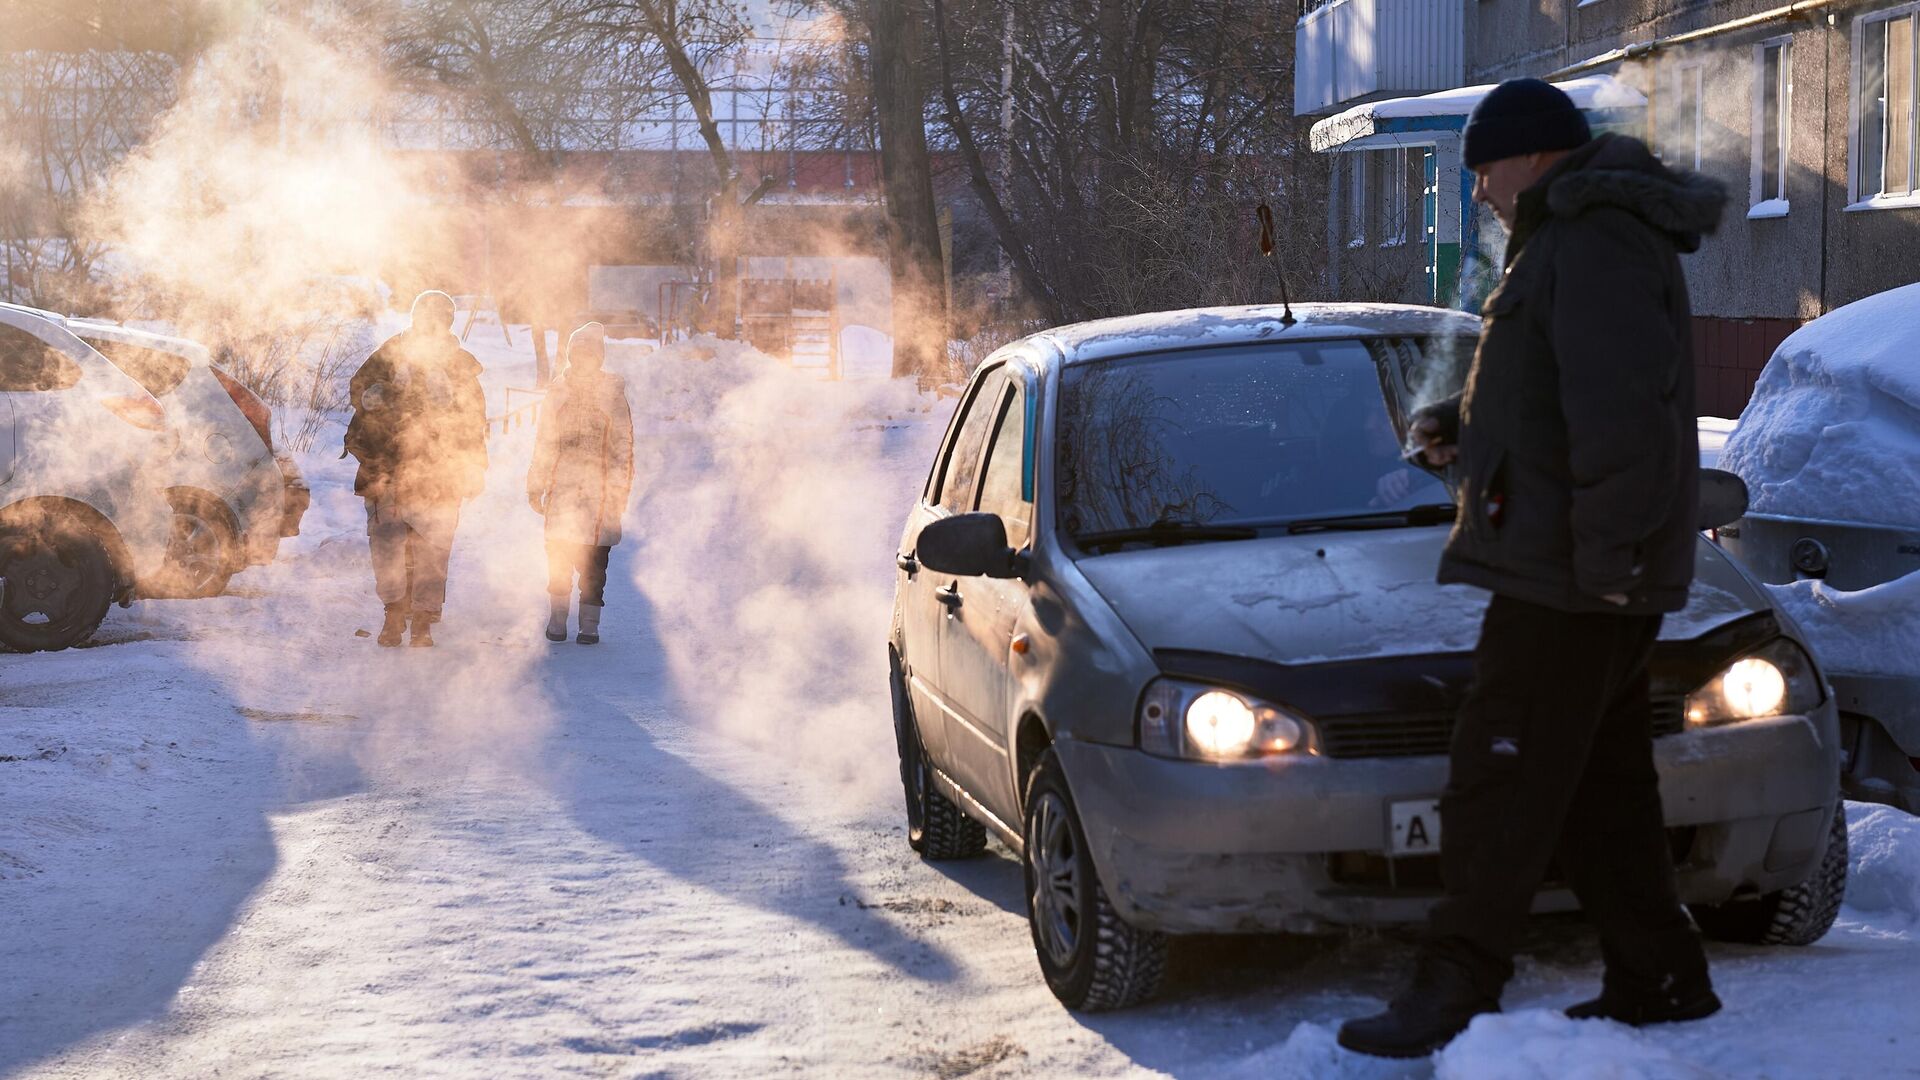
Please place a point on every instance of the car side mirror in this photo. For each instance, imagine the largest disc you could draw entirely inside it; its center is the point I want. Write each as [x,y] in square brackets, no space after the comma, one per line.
[968,545]
[1723,498]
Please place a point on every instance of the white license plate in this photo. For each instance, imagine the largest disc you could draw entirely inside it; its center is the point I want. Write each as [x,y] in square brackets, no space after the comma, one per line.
[1415,827]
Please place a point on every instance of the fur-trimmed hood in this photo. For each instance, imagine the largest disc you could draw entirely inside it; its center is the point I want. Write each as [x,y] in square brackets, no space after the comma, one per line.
[1614,170]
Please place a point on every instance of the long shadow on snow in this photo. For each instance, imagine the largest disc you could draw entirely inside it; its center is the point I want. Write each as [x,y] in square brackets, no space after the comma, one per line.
[107,935]
[664,810]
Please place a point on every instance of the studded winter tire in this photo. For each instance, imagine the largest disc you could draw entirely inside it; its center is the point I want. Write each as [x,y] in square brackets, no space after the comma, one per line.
[936,828]
[1800,915]
[1093,959]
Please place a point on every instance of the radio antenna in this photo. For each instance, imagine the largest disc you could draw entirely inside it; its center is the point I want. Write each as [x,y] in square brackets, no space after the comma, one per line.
[1265,213]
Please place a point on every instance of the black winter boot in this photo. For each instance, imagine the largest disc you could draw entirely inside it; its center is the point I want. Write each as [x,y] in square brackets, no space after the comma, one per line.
[420,636]
[1438,1006]
[1678,1000]
[395,624]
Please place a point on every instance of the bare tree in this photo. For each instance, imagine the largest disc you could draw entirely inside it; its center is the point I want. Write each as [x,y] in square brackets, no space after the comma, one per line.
[693,35]
[67,118]
[539,79]
[913,226]
[1117,148]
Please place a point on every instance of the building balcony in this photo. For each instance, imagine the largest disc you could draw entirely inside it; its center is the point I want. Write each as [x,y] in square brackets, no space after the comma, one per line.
[1350,50]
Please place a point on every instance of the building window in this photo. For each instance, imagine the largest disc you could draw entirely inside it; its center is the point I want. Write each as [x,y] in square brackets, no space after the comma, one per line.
[1685,132]
[1356,199]
[1393,197]
[1886,80]
[1772,125]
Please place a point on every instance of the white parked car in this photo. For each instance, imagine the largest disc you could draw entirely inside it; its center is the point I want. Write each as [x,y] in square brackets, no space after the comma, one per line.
[233,498]
[81,521]
[1830,448]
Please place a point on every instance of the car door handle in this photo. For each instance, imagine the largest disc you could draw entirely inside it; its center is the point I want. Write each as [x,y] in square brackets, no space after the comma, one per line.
[907,562]
[948,595]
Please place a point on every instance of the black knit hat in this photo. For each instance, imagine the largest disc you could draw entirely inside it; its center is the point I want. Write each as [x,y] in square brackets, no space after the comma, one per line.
[1522,116]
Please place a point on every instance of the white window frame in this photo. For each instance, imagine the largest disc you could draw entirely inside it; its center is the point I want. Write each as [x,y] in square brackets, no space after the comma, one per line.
[1393,198]
[1855,188]
[1355,197]
[1697,71]
[1761,205]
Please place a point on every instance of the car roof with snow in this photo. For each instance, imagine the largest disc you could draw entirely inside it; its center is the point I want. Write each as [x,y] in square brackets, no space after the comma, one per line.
[100,329]
[1166,331]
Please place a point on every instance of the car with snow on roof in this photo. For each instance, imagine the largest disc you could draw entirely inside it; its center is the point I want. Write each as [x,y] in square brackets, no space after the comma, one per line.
[1166,623]
[1829,444]
[82,519]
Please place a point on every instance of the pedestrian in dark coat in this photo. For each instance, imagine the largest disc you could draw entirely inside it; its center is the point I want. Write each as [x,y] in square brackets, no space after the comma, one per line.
[419,432]
[1578,466]
[581,476]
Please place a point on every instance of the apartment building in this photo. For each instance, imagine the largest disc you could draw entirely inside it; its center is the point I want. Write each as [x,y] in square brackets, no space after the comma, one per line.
[1807,111]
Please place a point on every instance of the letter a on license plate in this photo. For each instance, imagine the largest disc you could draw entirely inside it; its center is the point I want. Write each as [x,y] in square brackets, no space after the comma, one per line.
[1415,827]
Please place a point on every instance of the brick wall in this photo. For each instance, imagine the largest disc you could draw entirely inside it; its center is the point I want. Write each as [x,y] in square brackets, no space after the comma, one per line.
[1727,357]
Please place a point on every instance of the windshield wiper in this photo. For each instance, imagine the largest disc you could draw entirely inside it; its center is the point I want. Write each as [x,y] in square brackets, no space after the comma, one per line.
[1430,514]
[1166,533]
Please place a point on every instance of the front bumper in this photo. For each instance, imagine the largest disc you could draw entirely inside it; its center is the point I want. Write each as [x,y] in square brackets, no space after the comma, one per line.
[1189,847]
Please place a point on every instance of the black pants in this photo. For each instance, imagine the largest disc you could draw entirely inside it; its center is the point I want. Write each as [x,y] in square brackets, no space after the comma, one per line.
[590,562]
[1552,760]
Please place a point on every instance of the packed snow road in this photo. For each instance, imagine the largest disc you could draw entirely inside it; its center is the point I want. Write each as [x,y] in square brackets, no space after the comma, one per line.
[237,840]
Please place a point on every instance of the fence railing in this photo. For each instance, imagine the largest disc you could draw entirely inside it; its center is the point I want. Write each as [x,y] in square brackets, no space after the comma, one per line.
[517,416]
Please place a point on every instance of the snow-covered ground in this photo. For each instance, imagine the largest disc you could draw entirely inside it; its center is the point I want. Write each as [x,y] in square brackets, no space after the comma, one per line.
[238,840]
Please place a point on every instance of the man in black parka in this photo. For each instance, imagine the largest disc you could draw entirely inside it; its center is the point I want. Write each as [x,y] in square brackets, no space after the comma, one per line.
[419,432]
[1577,463]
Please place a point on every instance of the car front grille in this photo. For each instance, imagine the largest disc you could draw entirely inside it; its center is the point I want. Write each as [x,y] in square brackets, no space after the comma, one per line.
[1413,735]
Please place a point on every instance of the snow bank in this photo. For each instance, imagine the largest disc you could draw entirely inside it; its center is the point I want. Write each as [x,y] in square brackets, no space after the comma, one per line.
[1538,1044]
[1883,845]
[1833,430]
[1869,632]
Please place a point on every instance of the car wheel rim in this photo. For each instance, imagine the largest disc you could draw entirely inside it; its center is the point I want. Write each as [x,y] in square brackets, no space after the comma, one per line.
[40,584]
[196,551]
[1056,893]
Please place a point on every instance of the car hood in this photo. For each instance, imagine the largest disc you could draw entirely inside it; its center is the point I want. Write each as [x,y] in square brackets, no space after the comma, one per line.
[1339,596]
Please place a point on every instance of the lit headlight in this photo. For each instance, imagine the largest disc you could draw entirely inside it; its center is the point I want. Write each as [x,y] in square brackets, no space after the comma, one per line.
[1191,720]
[1775,680]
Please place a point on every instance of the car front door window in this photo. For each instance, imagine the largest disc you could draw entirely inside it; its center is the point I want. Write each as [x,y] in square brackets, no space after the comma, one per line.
[1004,489]
[962,473]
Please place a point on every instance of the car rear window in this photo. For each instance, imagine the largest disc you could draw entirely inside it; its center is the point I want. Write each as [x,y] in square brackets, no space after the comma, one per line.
[159,372]
[29,365]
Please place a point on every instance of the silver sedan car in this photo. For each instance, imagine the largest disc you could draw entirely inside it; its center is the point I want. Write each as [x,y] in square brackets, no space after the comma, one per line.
[1166,624]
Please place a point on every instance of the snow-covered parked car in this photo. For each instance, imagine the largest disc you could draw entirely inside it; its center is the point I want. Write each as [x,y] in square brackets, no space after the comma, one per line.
[234,498]
[1829,447]
[1166,623]
[82,520]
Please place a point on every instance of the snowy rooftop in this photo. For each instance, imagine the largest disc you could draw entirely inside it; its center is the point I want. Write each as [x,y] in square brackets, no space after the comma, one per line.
[1104,339]
[1447,110]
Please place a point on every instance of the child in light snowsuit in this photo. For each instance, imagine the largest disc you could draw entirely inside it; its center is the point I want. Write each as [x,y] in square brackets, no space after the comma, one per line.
[582,473]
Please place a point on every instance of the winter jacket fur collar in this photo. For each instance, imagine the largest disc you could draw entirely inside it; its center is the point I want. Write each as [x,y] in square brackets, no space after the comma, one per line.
[1615,171]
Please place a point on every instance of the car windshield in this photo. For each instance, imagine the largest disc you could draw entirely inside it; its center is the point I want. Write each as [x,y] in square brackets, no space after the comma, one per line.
[1256,437]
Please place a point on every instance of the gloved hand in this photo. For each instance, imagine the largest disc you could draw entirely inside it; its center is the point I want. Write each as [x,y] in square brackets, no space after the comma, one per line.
[538,500]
